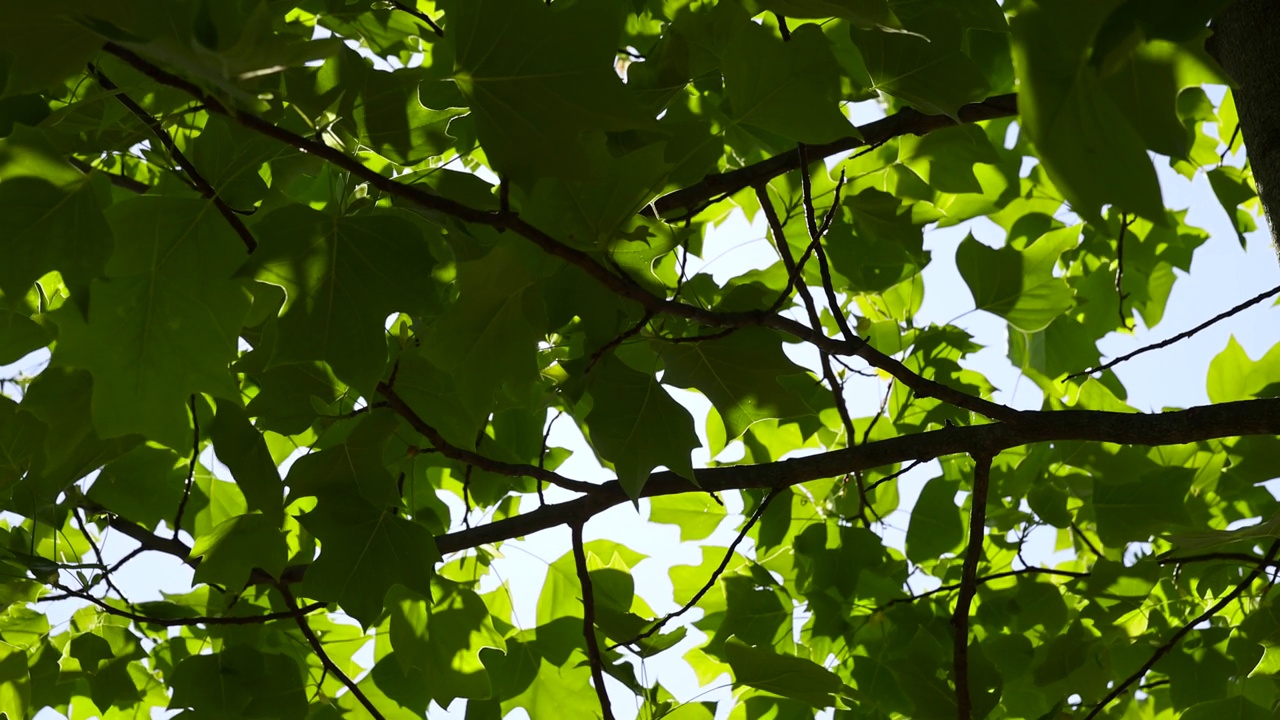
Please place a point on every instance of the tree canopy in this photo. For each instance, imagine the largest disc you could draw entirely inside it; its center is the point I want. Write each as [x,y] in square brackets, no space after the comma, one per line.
[314,278]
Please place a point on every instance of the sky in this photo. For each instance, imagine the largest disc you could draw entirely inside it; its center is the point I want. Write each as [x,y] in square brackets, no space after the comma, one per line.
[1223,274]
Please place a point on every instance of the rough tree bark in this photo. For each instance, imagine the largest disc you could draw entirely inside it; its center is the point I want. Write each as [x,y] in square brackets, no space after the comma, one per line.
[1245,43]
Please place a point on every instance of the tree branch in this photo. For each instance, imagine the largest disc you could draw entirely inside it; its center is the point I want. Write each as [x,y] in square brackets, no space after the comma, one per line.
[1246,417]
[468,457]
[425,18]
[188,621]
[1182,335]
[684,204]
[1172,642]
[617,284]
[202,186]
[969,583]
[325,660]
[121,181]
[715,574]
[982,580]
[191,470]
[589,621]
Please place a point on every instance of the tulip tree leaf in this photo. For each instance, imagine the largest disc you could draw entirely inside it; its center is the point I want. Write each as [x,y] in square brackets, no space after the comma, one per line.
[637,426]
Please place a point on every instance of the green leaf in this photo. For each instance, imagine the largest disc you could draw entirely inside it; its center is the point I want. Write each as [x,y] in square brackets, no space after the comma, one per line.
[487,340]
[1236,708]
[696,514]
[355,466]
[636,425]
[339,290]
[936,526]
[20,335]
[1019,285]
[865,13]
[241,448]
[444,639]
[1233,376]
[239,681]
[785,88]
[364,550]
[538,77]
[1087,145]
[47,228]
[1234,189]
[237,546]
[927,67]
[786,675]
[1135,510]
[164,323]
[741,374]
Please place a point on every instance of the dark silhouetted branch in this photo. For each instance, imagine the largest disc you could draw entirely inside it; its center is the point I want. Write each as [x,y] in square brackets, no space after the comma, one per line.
[469,457]
[589,621]
[198,181]
[687,202]
[969,583]
[329,665]
[1182,335]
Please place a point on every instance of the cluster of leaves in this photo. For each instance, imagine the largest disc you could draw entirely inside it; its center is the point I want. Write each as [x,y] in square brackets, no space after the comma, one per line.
[232,231]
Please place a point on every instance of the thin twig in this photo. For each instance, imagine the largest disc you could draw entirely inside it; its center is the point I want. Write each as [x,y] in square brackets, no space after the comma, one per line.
[106,607]
[969,583]
[542,454]
[794,274]
[469,457]
[893,475]
[715,574]
[687,202]
[1182,335]
[191,469]
[1085,539]
[620,338]
[121,181]
[1230,143]
[589,621]
[1243,558]
[325,660]
[783,30]
[105,575]
[425,18]
[197,180]
[1125,219]
[1173,640]
[466,480]
[980,581]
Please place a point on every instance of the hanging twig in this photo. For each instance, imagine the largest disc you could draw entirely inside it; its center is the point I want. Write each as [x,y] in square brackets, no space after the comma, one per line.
[969,582]
[191,470]
[1125,219]
[589,621]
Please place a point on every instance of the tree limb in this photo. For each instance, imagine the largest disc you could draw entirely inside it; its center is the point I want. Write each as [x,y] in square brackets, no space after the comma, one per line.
[969,584]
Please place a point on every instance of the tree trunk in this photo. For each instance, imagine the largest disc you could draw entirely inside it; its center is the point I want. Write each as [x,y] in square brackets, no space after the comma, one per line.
[1244,42]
